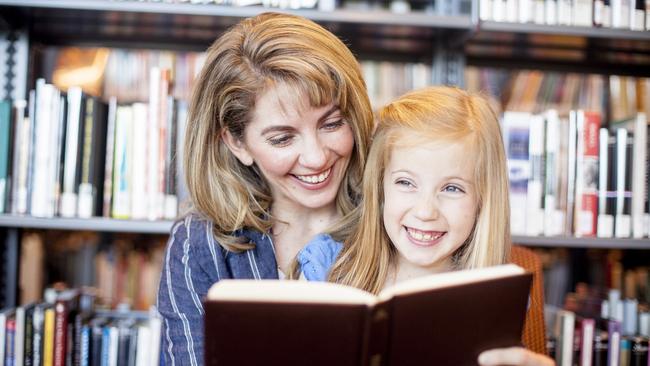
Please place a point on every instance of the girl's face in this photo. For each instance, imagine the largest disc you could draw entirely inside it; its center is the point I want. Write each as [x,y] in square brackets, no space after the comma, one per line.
[430,204]
[302,151]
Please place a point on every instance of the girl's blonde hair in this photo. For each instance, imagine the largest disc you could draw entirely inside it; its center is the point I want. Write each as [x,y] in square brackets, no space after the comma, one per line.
[267,50]
[431,114]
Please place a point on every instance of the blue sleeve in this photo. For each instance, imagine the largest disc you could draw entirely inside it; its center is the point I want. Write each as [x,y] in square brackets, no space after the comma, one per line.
[318,256]
[187,274]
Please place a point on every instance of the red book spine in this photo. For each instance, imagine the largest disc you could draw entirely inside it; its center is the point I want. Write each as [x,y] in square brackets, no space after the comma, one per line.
[60,333]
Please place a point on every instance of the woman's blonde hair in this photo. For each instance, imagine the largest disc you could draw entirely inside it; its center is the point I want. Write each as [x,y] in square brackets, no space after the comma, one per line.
[268,49]
[431,114]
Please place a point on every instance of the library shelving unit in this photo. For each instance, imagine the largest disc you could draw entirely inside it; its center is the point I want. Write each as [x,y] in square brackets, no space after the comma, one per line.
[447,38]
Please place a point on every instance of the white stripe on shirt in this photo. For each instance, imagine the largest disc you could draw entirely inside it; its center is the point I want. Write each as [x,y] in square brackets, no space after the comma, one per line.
[253,263]
[186,325]
[211,245]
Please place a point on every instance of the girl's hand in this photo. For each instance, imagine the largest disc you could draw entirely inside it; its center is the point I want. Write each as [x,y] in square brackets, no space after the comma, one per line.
[514,356]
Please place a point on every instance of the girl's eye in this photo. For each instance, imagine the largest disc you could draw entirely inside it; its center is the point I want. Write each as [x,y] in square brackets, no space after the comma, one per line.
[332,126]
[404,182]
[281,140]
[453,189]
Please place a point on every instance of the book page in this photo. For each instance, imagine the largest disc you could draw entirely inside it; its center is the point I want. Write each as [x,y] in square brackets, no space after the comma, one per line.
[288,291]
[450,279]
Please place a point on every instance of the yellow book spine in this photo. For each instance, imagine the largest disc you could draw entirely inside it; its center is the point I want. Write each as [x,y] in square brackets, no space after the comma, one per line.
[48,343]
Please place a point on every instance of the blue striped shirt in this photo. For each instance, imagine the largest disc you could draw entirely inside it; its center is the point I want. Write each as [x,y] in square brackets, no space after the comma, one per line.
[193,262]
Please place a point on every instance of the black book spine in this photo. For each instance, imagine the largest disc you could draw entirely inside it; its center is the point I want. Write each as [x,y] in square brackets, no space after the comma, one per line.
[377,335]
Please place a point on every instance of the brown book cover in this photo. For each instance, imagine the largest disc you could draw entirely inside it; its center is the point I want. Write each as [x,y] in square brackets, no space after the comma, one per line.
[442,319]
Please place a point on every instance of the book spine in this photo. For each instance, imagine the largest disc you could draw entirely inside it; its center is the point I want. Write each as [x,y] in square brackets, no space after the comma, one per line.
[110,157]
[587,175]
[605,220]
[19,337]
[48,338]
[60,333]
[639,174]
[613,352]
[73,135]
[622,222]
[5,148]
[564,354]
[28,339]
[10,329]
[587,335]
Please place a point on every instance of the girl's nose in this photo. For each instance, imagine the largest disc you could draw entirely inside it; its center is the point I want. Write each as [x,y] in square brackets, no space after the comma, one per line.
[426,208]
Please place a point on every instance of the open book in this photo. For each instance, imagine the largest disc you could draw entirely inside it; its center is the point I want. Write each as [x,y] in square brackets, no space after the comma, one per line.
[442,319]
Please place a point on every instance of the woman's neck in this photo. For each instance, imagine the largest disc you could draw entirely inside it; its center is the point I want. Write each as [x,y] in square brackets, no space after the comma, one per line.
[294,228]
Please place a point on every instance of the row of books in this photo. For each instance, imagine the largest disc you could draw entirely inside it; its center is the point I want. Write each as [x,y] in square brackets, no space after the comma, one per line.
[621,14]
[569,176]
[123,268]
[74,156]
[590,330]
[66,329]
[388,80]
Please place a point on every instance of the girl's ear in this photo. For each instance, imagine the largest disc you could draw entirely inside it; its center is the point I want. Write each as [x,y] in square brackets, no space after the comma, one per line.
[237,147]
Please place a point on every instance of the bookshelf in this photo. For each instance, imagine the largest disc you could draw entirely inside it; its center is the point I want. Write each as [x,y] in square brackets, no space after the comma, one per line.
[445,40]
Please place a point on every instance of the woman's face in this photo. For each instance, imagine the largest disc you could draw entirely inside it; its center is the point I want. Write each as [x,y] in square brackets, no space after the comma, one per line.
[302,151]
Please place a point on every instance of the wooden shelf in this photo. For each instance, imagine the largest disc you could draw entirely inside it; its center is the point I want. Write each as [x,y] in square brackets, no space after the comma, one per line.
[573,242]
[195,26]
[164,226]
[91,224]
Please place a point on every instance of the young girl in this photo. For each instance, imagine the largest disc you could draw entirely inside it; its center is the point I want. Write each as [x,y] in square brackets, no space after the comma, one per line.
[435,199]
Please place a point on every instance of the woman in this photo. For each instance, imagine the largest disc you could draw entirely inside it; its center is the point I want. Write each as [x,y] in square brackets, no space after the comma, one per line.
[277,135]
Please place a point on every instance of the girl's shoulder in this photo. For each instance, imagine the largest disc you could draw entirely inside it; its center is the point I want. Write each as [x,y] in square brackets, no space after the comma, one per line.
[318,256]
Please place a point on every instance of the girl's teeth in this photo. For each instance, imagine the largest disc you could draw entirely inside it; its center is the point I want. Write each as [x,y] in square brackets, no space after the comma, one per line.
[418,235]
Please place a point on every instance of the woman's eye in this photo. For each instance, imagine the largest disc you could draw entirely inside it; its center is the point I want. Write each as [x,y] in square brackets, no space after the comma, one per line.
[281,140]
[331,126]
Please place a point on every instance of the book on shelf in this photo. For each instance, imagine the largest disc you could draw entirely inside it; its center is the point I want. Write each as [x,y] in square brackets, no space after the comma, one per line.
[68,329]
[434,319]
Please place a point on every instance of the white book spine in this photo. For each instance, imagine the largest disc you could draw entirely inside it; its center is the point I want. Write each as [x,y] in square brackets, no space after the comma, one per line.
[155,323]
[139,196]
[516,134]
[550,12]
[586,348]
[525,15]
[605,221]
[498,10]
[637,17]
[551,216]
[85,200]
[143,355]
[20,149]
[512,13]
[485,10]
[639,174]
[534,210]
[583,13]
[42,130]
[19,337]
[113,345]
[622,222]
[122,186]
[607,16]
[153,141]
[538,12]
[565,12]
[567,319]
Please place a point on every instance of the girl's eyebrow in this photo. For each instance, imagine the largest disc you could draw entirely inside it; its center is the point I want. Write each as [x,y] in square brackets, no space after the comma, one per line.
[286,128]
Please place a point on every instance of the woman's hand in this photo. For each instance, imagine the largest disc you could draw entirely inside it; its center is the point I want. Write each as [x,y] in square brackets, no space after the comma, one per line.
[514,356]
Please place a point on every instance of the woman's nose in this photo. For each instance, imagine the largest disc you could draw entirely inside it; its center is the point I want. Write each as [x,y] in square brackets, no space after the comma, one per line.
[313,155]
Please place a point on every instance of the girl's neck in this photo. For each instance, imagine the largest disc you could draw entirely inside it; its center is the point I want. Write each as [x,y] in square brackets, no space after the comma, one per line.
[294,228]
[402,270]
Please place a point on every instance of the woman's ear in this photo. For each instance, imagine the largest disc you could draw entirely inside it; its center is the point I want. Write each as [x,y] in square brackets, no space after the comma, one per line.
[237,147]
